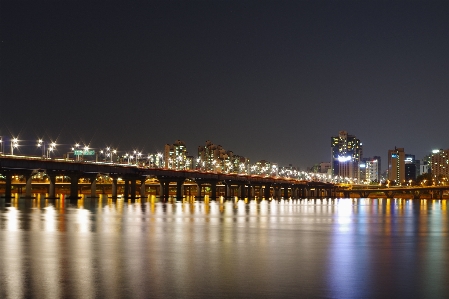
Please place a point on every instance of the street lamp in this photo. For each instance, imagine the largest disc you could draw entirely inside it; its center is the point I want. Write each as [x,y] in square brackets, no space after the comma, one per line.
[51,149]
[138,155]
[1,145]
[41,144]
[108,153]
[14,144]
[75,148]
[115,153]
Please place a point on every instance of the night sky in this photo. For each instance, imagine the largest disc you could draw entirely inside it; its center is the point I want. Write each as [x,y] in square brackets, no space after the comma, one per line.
[269,80]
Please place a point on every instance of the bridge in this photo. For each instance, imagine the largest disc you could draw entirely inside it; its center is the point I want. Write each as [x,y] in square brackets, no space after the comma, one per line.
[230,185]
[415,192]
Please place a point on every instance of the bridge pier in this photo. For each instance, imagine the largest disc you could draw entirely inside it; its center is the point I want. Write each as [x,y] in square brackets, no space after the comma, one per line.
[179,189]
[126,189]
[256,191]
[416,194]
[93,184]
[8,186]
[74,177]
[51,185]
[249,191]
[164,189]
[242,191]
[227,191]
[133,189]
[142,187]
[114,187]
[311,192]
[267,191]
[93,187]
[389,194]
[28,178]
[293,193]
[213,189]
[199,188]
[285,187]
[277,191]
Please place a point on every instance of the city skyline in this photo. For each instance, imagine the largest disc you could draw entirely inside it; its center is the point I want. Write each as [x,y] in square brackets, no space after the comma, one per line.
[283,75]
[59,148]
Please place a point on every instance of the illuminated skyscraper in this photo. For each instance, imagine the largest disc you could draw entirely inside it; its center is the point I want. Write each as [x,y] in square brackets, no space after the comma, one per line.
[346,154]
[440,163]
[396,165]
[175,156]
[370,169]
[411,167]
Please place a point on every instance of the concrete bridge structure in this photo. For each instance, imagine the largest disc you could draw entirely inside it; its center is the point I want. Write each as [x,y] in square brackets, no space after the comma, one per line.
[416,192]
[230,185]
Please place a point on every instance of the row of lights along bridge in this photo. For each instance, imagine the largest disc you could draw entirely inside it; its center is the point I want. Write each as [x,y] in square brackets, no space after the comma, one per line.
[211,158]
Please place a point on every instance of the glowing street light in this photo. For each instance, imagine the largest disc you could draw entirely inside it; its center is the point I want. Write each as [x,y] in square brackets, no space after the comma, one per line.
[41,144]
[51,149]
[74,148]
[14,144]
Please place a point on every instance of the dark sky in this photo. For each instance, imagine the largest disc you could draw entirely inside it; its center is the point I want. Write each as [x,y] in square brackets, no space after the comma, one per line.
[269,80]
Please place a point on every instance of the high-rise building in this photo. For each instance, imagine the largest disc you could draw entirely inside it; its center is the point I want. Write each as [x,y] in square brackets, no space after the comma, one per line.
[215,158]
[411,170]
[440,163]
[370,169]
[346,154]
[396,165]
[175,156]
[324,167]
[156,160]
[423,168]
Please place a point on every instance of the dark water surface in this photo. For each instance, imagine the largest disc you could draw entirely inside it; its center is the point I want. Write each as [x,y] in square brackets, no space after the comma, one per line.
[343,248]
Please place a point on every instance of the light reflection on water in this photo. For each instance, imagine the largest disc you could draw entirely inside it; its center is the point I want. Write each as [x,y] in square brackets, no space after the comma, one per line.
[342,248]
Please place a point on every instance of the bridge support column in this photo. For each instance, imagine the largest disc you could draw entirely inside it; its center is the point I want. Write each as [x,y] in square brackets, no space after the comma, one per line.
[227,191]
[242,191]
[28,178]
[93,184]
[142,187]
[161,189]
[114,188]
[213,188]
[285,192]
[93,187]
[51,186]
[250,191]
[179,190]
[74,186]
[198,190]
[164,189]
[307,192]
[133,189]
[8,186]
[416,194]
[276,192]
[267,192]
[126,191]
[294,192]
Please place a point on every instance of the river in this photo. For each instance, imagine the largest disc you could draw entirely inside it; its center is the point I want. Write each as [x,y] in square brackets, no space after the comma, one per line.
[340,248]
